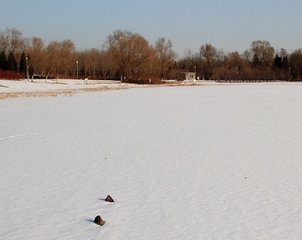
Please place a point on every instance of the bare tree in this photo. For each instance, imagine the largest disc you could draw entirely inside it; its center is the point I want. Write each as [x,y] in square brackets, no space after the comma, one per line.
[233,67]
[12,45]
[53,51]
[282,52]
[129,52]
[295,60]
[118,52]
[36,55]
[209,54]
[140,57]
[61,58]
[92,63]
[264,52]
[165,56]
[4,43]
[15,42]
[234,60]
[67,58]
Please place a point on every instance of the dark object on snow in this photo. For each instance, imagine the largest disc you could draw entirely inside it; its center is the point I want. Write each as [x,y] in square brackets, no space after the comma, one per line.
[99,221]
[109,199]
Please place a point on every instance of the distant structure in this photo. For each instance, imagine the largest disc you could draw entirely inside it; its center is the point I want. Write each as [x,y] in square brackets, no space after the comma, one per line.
[190,76]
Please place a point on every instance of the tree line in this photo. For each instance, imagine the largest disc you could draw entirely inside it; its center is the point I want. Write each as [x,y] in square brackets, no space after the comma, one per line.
[128,56]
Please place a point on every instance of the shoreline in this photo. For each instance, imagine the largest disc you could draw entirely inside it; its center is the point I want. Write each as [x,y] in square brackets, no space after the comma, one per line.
[41,88]
[69,87]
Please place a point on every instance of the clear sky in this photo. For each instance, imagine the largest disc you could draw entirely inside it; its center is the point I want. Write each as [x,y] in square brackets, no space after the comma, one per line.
[227,24]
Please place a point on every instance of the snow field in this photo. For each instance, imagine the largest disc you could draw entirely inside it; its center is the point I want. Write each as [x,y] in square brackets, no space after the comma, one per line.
[212,162]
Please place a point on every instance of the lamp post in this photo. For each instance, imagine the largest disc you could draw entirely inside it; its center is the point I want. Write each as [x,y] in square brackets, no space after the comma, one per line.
[194,74]
[77,62]
[27,74]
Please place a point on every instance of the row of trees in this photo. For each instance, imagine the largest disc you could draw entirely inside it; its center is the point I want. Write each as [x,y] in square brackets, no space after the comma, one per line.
[130,57]
[260,62]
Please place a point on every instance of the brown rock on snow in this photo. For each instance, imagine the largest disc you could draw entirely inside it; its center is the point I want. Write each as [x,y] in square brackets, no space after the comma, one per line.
[99,221]
[109,199]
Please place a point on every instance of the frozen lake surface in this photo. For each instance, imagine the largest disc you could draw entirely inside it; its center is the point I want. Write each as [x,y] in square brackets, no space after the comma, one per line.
[207,162]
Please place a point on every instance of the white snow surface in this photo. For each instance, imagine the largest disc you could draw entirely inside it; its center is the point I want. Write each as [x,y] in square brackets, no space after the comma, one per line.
[207,162]
[42,85]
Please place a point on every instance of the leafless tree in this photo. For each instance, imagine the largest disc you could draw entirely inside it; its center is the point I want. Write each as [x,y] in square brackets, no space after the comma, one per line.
[92,63]
[36,55]
[129,52]
[295,60]
[60,58]
[140,57]
[165,56]
[3,43]
[209,54]
[67,58]
[53,52]
[12,41]
[264,53]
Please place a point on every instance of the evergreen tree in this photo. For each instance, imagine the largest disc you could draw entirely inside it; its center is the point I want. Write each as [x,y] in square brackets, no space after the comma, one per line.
[277,62]
[255,62]
[3,61]
[285,63]
[11,63]
[23,64]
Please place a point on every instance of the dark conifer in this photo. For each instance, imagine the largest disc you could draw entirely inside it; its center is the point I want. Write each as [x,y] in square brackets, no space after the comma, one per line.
[23,64]
[255,62]
[285,63]
[11,63]
[277,62]
[3,61]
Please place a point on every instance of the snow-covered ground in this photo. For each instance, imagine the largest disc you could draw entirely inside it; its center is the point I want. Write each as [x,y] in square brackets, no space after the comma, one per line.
[55,87]
[42,87]
[209,162]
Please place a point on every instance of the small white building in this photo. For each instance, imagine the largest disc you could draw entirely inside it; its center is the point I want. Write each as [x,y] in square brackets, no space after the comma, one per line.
[190,76]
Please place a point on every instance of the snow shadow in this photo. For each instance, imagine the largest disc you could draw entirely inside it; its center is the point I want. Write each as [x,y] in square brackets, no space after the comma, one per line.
[89,220]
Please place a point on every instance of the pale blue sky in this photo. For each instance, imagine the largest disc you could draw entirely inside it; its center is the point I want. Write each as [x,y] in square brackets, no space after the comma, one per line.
[227,24]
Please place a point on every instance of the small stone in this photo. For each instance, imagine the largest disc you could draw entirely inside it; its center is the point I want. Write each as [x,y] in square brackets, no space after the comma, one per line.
[109,199]
[99,221]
